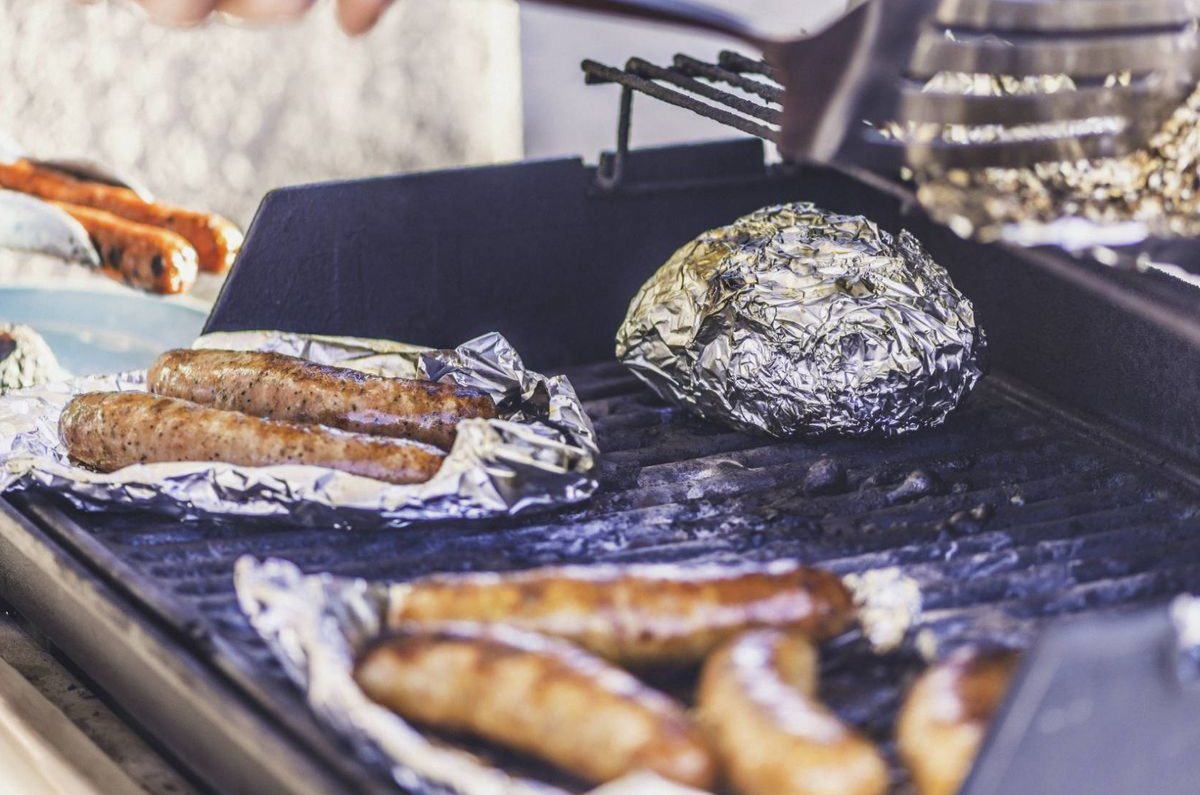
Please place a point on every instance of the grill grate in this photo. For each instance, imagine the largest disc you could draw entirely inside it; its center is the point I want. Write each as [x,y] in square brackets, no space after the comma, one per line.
[694,85]
[1008,515]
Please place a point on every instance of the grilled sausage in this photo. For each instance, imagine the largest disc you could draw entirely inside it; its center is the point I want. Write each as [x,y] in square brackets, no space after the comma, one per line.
[757,703]
[143,256]
[636,615]
[216,239]
[111,430]
[537,695]
[287,388]
[946,715]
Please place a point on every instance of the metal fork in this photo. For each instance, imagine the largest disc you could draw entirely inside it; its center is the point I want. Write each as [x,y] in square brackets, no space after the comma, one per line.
[872,66]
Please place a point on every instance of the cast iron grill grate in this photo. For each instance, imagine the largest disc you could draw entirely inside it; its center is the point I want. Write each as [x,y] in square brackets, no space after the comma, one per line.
[754,107]
[1010,514]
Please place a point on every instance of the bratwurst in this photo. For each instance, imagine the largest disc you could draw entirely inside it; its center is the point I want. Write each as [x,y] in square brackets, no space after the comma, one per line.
[288,388]
[638,616]
[537,695]
[946,715]
[110,430]
[757,703]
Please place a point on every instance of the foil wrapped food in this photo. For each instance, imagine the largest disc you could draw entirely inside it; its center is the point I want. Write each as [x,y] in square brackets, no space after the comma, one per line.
[1076,205]
[317,626]
[797,321]
[541,451]
[25,359]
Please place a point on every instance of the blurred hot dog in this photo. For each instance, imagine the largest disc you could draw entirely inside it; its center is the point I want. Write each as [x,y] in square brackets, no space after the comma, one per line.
[139,255]
[757,703]
[537,695]
[636,615]
[946,715]
[216,239]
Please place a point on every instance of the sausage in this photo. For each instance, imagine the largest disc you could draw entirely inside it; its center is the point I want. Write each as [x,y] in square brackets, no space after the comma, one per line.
[143,256]
[757,704]
[110,430]
[217,240]
[287,388]
[636,615]
[537,695]
[946,715]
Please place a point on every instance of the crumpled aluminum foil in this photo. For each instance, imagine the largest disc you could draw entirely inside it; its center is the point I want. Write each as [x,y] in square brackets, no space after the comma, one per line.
[1076,205]
[25,359]
[541,452]
[797,321]
[316,626]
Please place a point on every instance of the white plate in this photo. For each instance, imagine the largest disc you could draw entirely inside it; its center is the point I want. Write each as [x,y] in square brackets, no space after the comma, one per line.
[103,332]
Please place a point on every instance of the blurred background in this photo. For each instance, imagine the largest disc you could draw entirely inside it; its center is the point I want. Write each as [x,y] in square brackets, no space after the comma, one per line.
[217,115]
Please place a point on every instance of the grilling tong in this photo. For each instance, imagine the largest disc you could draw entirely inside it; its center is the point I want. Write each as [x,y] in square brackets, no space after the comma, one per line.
[1131,61]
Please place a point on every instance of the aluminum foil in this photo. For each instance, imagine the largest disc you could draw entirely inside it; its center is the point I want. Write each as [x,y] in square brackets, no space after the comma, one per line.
[888,604]
[25,359]
[540,452]
[1077,205]
[797,321]
[316,626]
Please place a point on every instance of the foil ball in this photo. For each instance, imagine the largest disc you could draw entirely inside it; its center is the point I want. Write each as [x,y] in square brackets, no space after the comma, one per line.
[795,321]
[25,358]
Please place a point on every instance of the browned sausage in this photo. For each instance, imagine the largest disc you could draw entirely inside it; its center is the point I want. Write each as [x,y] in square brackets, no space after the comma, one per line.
[946,715]
[111,430]
[636,615]
[216,239]
[287,388]
[143,256]
[537,695]
[757,704]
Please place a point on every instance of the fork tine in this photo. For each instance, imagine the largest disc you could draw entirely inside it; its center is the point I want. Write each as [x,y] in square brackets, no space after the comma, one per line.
[1064,15]
[1138,100]
[1097,57]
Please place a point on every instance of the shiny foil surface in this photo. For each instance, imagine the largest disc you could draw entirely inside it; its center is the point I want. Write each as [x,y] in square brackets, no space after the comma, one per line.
[540,452]
[317,626]
[795,321]
[1077,204]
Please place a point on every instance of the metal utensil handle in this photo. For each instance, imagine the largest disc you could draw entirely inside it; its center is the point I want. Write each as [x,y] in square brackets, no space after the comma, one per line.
[679,12]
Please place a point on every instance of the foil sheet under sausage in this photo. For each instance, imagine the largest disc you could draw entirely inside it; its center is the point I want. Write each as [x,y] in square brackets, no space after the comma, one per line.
[797,321]
[540,452]
[318,625]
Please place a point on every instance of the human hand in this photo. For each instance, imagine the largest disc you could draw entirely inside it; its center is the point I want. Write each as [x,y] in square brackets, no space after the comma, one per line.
[355,16]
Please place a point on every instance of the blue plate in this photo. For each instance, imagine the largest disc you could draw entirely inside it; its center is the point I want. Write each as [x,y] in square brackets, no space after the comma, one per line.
[101,332]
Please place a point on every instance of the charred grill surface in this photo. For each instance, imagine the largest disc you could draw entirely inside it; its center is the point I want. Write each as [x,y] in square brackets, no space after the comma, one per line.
[1010,514]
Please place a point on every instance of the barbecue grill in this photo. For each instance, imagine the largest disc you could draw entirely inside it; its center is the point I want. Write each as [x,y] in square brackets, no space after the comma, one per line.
[1068,483]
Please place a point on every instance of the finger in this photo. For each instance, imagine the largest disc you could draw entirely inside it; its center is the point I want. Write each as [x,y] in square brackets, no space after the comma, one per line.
[178,12]
[359,16]
[264,10]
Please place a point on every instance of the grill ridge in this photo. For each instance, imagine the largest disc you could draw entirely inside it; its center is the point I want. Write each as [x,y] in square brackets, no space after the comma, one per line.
[1067,519]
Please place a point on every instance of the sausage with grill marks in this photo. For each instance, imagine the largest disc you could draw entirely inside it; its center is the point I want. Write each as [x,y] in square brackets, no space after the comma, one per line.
[946,715]
[139,255]
[641,616]
[111,430]
[537,695]
[757,703]
[217,240]
[289,388]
